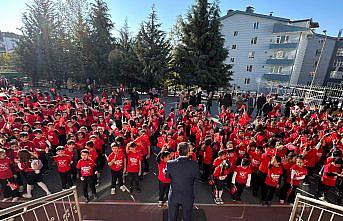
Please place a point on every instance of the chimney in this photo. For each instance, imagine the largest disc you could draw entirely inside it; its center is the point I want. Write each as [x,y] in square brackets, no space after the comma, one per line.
[229,11]
[340,33]
[249,9]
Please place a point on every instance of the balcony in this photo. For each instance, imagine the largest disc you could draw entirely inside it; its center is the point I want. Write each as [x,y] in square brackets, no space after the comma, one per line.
[336,74]
[277,77]
[281,61]
[278,28]
[284,46]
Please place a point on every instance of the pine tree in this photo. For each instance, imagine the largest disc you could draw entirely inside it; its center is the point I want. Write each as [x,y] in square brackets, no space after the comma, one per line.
[37,47]
[101,41]
[154,52]
[125,64]
[200,57]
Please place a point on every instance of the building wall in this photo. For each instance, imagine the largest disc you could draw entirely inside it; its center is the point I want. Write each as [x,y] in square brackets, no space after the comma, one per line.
[311,58]
[329,81]
[244,25]
[296,69]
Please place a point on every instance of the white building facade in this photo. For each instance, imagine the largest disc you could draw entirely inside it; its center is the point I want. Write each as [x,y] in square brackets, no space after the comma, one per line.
[8,41]
[264,50]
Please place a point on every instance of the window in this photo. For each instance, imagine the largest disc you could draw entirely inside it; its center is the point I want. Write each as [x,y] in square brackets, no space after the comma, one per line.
[315,63]
[280,54]
[253,41]
[246,80]
[232,59]
[281,39]
[234,47]
[317,52]
[256,25]
[235,33]
[251,54]
[249,68]
[276,69]
[339,52]
[338,63]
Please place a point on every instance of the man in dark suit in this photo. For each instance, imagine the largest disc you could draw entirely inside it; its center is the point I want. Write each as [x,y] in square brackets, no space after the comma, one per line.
[182,171]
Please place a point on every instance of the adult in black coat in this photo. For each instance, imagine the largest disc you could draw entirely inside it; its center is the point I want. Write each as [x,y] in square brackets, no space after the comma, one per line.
[182,171]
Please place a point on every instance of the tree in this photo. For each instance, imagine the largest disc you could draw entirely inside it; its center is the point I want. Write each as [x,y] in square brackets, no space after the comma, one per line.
[153,51]
[101,41]
[200,56]
[125,64]
[37,46]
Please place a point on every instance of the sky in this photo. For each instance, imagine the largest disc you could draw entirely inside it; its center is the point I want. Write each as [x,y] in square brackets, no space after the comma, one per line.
[329,13]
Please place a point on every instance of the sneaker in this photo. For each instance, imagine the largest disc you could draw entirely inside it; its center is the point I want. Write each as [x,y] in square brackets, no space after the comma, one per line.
[48,193]
[122,188]
[145,173]
[322,198]
[15,199]
[282,202]
[221,201]
[113,191]
[21,189]
[27,196]
[160,204]
[305,184]
[5,199]
[95,197]
[97,184]
[217,201]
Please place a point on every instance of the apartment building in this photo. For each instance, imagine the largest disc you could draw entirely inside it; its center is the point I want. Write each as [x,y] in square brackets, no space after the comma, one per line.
[263,49]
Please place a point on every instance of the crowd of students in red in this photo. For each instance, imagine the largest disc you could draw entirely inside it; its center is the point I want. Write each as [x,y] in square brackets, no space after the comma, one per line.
[269,154]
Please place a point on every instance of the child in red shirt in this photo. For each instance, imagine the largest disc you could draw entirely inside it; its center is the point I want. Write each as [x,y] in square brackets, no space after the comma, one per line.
[117,163]
[86,167]
[42,146]
[220,174]
[207,159]
[329,174]
[63,162]
[133,167]
[241,178]
[164,183]
[7,180]
[297,173]
[272,182]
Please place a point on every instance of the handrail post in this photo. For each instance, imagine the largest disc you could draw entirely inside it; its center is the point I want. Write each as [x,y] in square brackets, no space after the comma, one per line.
[77,203]
[294,209]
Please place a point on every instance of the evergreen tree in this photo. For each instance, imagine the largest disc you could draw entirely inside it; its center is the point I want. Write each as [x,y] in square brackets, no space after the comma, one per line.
[200,57]
[37,47]
[101,41]
[154,52]
[125,64]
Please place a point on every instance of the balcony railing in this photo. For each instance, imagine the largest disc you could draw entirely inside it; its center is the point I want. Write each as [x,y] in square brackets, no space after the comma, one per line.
[283,45]
[280,61]
[277,77]
[336,74]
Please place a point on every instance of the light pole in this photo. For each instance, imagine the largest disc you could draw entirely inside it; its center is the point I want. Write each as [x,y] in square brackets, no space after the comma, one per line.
[316,69]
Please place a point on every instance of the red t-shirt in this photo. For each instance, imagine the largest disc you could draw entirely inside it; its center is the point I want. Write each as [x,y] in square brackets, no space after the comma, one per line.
[208,154]
[161,176]
[330,180]
[273,176]
[40,144]
[298,172]
[63,163]
[86,167]
[220,173]
[118,161]
[265,160]
[5,169]
[242,174]
[29,145]
[133,162]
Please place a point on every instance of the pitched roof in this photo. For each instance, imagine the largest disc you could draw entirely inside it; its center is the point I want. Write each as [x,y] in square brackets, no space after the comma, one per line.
[230,13]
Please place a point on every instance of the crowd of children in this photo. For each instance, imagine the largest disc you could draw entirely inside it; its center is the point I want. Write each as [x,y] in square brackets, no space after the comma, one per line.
[271,153]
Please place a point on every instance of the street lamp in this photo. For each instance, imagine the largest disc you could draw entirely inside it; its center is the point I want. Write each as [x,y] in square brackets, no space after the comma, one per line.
[316,69]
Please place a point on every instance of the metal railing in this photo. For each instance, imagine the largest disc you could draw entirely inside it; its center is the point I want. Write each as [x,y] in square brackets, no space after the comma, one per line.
[309,209]
[60,206]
